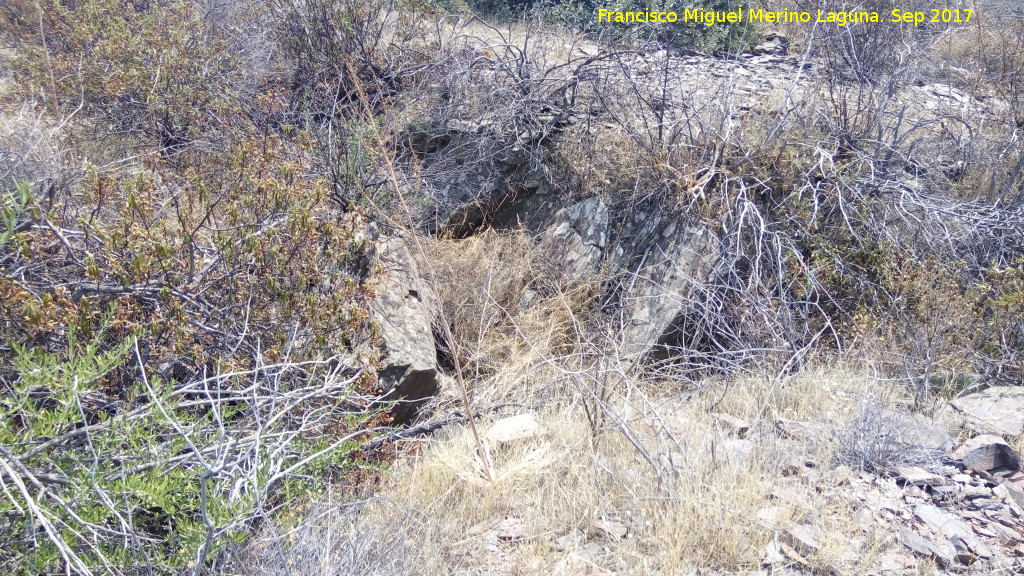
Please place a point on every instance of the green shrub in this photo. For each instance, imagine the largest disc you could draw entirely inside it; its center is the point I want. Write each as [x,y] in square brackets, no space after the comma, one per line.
[164,474]
[154,69]
[12,209]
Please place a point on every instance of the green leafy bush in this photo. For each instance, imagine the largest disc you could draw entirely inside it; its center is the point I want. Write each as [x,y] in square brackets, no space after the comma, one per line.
[180,326]
[155,71]
[12,209]
[164,475]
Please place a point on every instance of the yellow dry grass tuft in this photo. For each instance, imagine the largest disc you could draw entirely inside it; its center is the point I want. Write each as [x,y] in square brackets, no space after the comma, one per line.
[686,492]
[510,313]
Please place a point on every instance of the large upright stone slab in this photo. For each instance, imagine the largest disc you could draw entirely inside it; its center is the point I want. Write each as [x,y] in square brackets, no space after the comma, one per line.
[404,311]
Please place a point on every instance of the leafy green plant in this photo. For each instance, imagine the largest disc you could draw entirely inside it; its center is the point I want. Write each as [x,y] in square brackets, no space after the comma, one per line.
[153,70]
[164,475]
[13,208]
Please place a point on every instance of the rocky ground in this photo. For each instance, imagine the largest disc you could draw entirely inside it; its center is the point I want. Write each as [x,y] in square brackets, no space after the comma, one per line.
[835,486]
[938,507]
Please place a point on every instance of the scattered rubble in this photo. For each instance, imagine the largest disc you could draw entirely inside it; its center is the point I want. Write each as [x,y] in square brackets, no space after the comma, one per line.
[961,510]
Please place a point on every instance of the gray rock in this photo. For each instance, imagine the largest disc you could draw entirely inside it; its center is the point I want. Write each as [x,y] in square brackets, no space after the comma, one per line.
[950,526]
[964,552]
[914,541]
[894,563]
[1013,483]
[804,538]
[514,429]
[769,516]
[511,529]
[591,552]
[569,541]
[404,311]
[943,552]
[918,433]
[734,449]
[773,554]
[657,262]
[574,244]
[773,44]
[611,529]
[921,477]
[659,291]
[994,411]
[986,453]
[801,431]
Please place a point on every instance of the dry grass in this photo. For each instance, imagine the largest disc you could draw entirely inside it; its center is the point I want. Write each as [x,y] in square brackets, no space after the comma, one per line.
[511,313]
[688,494]
[617,446]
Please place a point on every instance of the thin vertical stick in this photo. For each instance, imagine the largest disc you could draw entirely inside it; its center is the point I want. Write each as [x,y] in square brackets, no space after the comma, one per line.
[380,148]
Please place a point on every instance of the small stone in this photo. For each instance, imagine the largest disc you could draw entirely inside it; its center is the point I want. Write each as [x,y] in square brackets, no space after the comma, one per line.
[984,504]
[1006,533]
[804,538]
[733,425]
[570,541]
[895,562]
[773,554]
[985,453]
[961,478]
[589,553]
[864,519]
[769,516]
[1003,518]
[918,476]
[980,529]
[914,541]
[971,491]
[511,530]
[611,529]
[943,552]
[797,430]
[943,492]
[790,494]
[793,553]
[478,529]
[1016,492]
[793,466]
[964,554]
[736,450]
[514,428]
[950,526]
